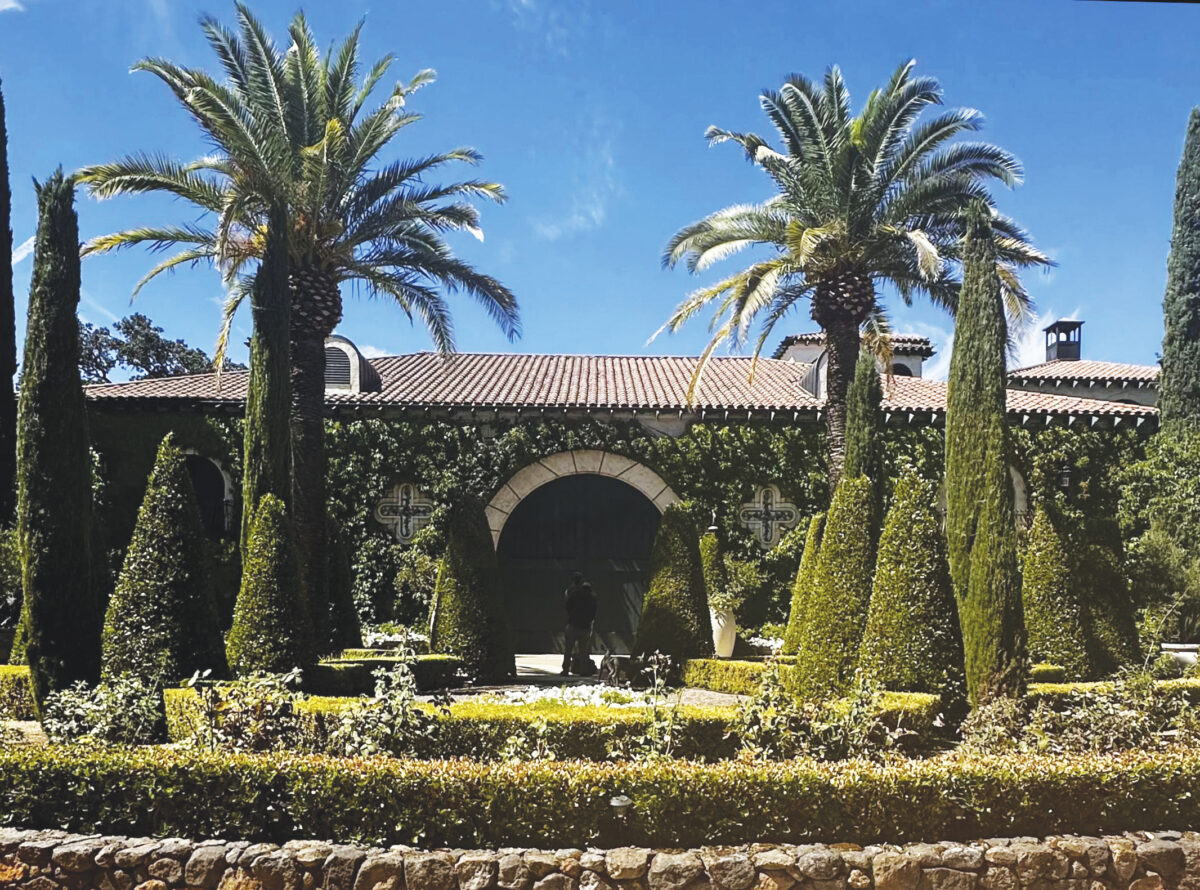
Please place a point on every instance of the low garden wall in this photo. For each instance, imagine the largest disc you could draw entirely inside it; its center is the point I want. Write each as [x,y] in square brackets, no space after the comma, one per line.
[52,860]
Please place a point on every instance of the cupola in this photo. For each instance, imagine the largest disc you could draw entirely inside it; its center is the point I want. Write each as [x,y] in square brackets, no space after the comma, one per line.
[346,369]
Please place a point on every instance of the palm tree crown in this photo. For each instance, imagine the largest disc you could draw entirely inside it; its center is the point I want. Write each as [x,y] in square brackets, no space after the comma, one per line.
[862,201]
[292,126]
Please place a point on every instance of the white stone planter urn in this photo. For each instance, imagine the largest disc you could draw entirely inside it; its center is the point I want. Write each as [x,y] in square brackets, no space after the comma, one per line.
[724,630]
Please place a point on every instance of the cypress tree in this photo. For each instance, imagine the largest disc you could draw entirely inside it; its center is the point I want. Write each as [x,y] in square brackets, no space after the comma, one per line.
[864,450]
[268,619]
[54,500]
[912,642]
[344,628]
[980,517]
[468,618]
[712,559]
[675,619]
[1179,383]
[267,443]
[8,339]
[841,593]
[1054,616]
[162,622]
[802,587]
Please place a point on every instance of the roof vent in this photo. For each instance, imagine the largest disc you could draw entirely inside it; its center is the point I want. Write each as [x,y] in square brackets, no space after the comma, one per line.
[346,370]
[1063,340]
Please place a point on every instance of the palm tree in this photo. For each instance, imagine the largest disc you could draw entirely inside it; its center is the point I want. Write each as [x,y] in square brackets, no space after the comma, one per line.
[292,126]
[863,201]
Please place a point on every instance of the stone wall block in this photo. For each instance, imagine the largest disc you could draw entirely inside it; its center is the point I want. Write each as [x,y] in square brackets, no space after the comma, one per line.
[556,881]
[593,860]
[115,879]
[819,863]
[947,879]
[168,870]
[627,863]
[999,877]
[205,867]
[277,871]
[674,871]
[1165,858]
[37,850]
[734,872]
[896,871]
[81,856]
[381,871]
[774,880]
[341,868]
[540,863]
[592,880]
[476,871]
[427,871]
[1124,864]
[511,873]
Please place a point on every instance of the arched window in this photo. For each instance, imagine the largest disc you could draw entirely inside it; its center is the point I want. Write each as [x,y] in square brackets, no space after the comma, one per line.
[899,370]
[212,493]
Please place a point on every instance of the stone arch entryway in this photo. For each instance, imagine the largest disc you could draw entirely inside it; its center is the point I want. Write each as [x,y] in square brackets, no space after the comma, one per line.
[588,511]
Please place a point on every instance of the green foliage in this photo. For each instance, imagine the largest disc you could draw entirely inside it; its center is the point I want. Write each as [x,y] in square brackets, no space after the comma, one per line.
[354,676]
[1179,383]
[468,616]
[136,344]
[864,448]
[675,619]
[8,338]
[61,611]
[840,595]
[1047,673]
[10,583]
[270,627]
[1054,619]
[122,710]
[382,801]
[721,594]
[162,623]
[802,587]
[912,641]
[266,461]
[980,533]
[390,722]
[259,712]
[344,627]
[16,693]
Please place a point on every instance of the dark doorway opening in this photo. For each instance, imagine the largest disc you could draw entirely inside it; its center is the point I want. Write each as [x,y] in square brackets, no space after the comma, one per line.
[209,483]
[596,525]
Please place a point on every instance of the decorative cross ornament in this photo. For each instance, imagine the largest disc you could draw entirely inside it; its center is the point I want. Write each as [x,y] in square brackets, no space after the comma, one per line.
[768,516]
[406,509]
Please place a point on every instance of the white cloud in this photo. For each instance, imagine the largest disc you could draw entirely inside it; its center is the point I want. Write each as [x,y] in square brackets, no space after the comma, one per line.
[25,248]
[374,351]
[11,6]
[1029,346]
[88,300]
[554,24]
[595,185]
[938,367]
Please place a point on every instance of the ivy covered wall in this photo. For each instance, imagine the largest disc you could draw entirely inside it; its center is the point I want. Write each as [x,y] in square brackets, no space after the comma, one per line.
[715,466]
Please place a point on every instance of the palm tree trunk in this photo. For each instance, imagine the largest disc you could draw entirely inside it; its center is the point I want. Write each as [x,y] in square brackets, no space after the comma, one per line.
[308,479]
[316,310]
[840,305]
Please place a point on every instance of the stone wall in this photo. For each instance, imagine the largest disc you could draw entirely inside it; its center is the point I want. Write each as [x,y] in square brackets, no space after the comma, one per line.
[50,860]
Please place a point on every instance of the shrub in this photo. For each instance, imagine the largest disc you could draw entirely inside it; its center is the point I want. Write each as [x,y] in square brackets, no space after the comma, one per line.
[260,712]
[719,593]
[354,676]
[381,801]
[1053,612]
[723,675]
[345,632]
[374,567]
[841,593]
[391,722]
[162,623]
[675,618]
[864,448]
[912,641]
[10,580]
[269,633]
[122,710]
[1047,673]
[60,611]
[802,587]
[16,695]
[415,581]
[468,620]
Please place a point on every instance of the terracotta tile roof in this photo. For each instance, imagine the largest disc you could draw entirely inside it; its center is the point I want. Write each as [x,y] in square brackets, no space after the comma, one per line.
[585,382]
[488,381]
[1086,370]
[908,344]
[920,394]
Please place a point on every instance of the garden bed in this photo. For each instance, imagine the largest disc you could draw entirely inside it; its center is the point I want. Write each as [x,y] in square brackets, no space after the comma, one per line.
[280,796]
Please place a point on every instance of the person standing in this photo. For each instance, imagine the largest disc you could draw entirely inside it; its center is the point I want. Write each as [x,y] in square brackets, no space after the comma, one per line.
[580,603]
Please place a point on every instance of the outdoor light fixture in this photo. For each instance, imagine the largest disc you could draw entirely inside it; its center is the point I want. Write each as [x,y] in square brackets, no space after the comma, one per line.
[621,805]
[1064,478]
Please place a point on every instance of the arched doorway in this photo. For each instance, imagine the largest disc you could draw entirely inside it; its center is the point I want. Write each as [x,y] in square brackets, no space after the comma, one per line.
[598,525]
[212,494]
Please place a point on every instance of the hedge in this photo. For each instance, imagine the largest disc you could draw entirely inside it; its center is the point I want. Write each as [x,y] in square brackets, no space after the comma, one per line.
[16,697]
[675,619]
[793,637]
[382,801]
[1054,614]
[479,730]
[346,676]
[1186,688]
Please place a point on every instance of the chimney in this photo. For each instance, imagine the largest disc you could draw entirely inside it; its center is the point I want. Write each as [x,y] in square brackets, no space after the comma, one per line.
[1063,340]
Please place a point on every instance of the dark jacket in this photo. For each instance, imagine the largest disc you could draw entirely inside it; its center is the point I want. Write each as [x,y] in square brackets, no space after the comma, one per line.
[581,607]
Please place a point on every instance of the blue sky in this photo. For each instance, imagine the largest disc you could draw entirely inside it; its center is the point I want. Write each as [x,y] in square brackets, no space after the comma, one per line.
[592,115]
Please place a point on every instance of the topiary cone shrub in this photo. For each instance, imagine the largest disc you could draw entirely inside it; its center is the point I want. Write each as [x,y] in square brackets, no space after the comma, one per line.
[841,593]
[344,628]
[270,627]
[162,622]
[1054,622]
[468,619]
[802,587]
[675,618]
[912,642]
